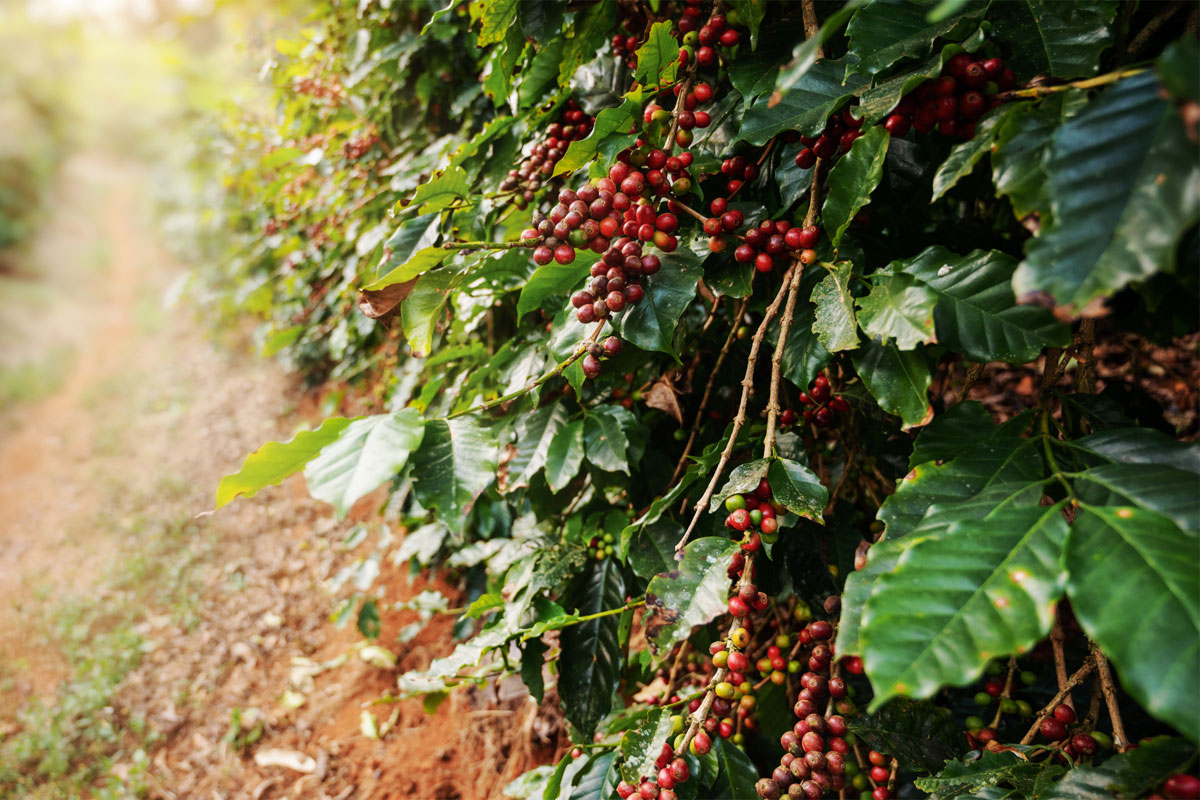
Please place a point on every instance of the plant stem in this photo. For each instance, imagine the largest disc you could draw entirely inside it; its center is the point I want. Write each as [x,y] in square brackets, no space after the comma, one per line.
[1088,83]
[740,419]
[812,28]
[1071,683]
[489,245]
[1147,33]
[1008,682]
[683,648]
[785,324]
[708,387]
[529,387]
[1057,639]
[1120,739]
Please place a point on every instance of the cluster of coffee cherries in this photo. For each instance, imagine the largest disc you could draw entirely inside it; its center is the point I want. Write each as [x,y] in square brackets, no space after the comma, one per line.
[1180,786]
[700,41]
[601,547]
[774,240]
[627,39]
[596,353]
[952,103]
[754,515]
[1056,728]
[820,405]
[838,136]
[358,146]
[538,166]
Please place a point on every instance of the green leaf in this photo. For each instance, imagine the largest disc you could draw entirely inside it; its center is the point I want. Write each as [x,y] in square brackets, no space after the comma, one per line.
[744,479]
[651,323]
[1134,773]
[535,434]
[274,461]
[498,16]
[1064,40]
[591,31]
[368,452]
[421,310]
[368,623]
[565,456]
[549,280]
[917,733]
[411,235]
[976,312]
[695,593]
[953,432]
[528,784]
[440,191]
[1004,456]
[898,380]
[1153,487]
[658,58]
[642,745]
[610,134]
[651,548]
[590,664]
[833,318]
[455,463]
[1176,69]
[965,155]
[806,106]
[541,73]
[967,777]
[1021,146]
[605,442]
[753,73]
[1122,178]
[983,589]
[805,55]
[898,307]
[751,13]
[798,488]
[598,779]
[803,354]
[1142,446]
[1134,586]
[421,262]
[852,180]
[736,774]
[884,33]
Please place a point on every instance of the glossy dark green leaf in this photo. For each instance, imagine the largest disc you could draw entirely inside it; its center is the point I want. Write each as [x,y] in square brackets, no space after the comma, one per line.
[1134,586]
[652,548]
[750,13]
[411,235]
[921,736]
[541,74]
[805,107]
[984,588]
[651,323]
[1135,773]
[851,181]
[610,134]
[898,307]
[1049,38]
[798,488]
[1004,456]
[420,262]
[1141,446]
[694,593]
[976,312]
[953,432]
[1176,69]
[549,280]
[367,453]
[598,778]
[565,456]
[753,73]
[965,155]
[455,463]
[805,56]
[884,33]
[833,316]
[605,442]
[1020,148]
[968,777]
[658,57]
[736,774]
[590,664]
[1153,487]
[898,380]
[1122,178]
[533,653]
[803,354]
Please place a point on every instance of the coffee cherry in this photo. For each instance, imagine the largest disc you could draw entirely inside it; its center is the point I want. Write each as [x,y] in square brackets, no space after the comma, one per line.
[1064,713]
[591,366]
[738,520]
[612,346]
[701,743]
[768,789]
[1186,787]
[739,609]
[1053,729]
[881,793]
[806,158]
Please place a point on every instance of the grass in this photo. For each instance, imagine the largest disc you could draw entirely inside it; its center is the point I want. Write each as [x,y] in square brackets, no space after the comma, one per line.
[76,744]
[33,380]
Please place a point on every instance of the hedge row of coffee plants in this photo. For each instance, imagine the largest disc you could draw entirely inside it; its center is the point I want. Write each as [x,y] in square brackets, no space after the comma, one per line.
[671,312]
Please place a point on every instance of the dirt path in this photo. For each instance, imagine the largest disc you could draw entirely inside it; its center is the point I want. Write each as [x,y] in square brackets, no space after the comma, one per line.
[101,483]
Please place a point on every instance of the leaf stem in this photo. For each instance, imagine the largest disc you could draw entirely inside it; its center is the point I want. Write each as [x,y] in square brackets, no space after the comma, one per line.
[1087,83]
[529,387]
[740,419]
[489,245]
[1120,739]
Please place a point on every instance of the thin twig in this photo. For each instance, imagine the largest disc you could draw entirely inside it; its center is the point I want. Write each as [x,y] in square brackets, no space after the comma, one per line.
[683,648]
[850,454]
[1151,28]
[1120,739]
[785,324]
[708,387]
[812,29]
[974,373]
[529,387]
[1089,83]
[740,419]
[1057,641]
[1048,709]
[489,245]
[1007,693]
[1089,722]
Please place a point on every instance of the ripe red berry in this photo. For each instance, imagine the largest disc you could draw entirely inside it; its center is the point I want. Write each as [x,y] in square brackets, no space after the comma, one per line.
[808,237]
[974,75]
[1185,787]
[591,366]
[763,262]
[806,158]
[731,220]
[738,607]
[971,104]
[825,147]
[738,520]
[881,793]
[897,125]
[1064,713]
[879,774]
[1053,729]
[667,222]
[729,38]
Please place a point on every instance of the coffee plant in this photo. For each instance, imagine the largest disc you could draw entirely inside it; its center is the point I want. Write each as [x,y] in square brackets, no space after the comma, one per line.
[783,382]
